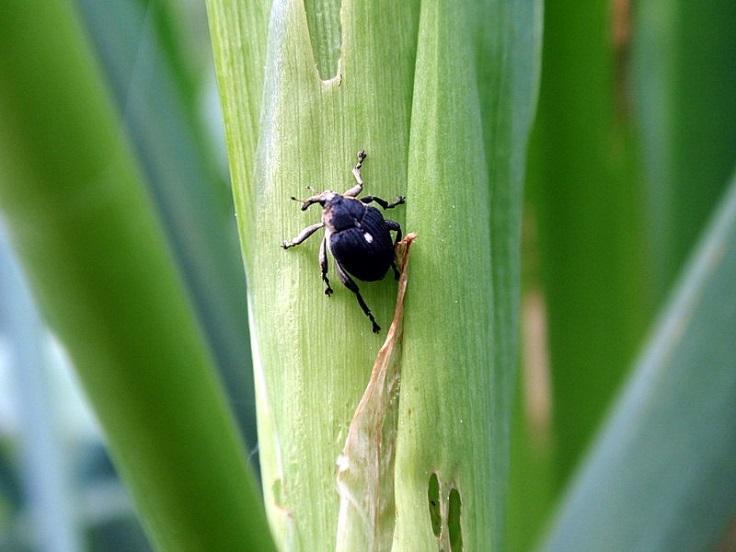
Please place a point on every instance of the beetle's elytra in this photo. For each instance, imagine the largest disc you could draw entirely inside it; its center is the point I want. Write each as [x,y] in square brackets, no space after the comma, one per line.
[356,234]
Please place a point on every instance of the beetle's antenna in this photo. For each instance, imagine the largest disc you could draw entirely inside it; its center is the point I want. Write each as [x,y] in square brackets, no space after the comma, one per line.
[310,188]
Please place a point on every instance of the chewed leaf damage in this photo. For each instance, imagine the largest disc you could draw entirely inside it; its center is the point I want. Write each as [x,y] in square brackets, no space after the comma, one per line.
[365,466]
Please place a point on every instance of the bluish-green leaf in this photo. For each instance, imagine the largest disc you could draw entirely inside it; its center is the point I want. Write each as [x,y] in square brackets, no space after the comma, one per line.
[662,475]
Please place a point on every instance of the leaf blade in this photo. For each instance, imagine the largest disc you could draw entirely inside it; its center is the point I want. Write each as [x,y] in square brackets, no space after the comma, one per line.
[470,125]
[664,461]
[85,230]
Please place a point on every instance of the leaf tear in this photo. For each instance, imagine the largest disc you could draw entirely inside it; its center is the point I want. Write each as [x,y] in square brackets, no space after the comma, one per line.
[365,478]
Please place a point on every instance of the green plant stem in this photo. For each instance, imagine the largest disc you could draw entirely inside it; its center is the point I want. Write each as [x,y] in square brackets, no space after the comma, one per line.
[85,231]
[448,372]
[312,354]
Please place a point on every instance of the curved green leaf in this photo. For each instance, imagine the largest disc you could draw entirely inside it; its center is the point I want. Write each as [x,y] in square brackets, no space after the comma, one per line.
[83,226]
[586,206]
[158,110]
[662,474]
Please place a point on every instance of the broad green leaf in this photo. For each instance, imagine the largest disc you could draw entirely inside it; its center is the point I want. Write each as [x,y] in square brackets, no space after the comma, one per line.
[84,228]
[684,85]
[587,213]
[133,41]
[662,475]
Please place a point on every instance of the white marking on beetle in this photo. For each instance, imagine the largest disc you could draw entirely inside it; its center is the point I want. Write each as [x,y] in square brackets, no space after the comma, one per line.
[368,237]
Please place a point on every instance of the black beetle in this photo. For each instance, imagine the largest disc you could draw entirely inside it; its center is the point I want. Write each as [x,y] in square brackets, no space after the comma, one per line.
[357,236]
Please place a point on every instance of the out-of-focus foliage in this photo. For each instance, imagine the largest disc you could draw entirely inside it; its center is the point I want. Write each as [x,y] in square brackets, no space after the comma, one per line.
[662,475]
[585,204]
[147,67]
[83,225]
[683,85]
[634,143]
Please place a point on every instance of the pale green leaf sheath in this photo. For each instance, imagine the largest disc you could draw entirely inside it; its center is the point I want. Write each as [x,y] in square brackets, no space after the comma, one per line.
[404,88]
[313,354]
[469,128]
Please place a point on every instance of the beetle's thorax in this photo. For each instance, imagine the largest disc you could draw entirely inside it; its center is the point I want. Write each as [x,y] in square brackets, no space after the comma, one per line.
[342,212]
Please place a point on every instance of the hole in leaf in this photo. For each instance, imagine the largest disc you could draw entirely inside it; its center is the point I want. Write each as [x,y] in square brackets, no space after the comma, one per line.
[453,522]
[433,496]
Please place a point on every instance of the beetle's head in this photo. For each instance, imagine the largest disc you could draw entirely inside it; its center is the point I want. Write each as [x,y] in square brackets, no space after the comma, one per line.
[323,198]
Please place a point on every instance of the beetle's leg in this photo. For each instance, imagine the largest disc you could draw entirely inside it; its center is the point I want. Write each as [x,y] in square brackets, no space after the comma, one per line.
[396,227]
[383,203]
[323,265]
[393,225]
[355,190]
[352,286]
[303,235]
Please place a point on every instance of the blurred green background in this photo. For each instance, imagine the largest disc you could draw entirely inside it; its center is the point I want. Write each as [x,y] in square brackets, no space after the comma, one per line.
[633,148]
[58,487]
